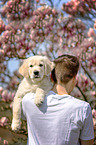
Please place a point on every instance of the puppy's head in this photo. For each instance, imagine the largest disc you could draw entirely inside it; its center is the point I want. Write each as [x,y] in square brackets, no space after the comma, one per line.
[36,67]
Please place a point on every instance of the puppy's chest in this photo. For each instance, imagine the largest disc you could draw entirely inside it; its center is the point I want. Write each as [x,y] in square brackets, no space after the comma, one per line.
[33,88]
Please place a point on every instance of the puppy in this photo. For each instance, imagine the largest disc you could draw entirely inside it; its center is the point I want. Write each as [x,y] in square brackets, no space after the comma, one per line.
[35,70]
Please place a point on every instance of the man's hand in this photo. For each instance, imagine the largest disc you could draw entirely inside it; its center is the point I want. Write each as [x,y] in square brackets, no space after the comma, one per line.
[87,142]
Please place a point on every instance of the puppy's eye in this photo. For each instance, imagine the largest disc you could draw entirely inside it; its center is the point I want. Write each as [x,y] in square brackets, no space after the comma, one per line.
[40,65]
[31,65]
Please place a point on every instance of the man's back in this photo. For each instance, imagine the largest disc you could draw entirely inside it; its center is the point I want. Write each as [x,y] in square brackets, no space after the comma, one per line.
[60,120]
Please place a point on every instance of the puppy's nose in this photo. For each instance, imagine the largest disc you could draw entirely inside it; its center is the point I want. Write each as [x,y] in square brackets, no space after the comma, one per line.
[36,72]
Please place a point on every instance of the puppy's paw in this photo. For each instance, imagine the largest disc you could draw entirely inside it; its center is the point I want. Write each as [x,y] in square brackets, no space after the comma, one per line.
[15,125]
[38,100]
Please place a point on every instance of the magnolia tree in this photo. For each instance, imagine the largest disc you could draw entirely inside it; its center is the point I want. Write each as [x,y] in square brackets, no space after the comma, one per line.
[51,28]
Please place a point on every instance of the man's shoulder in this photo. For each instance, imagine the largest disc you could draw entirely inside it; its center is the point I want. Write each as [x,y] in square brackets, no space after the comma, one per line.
[28,96]
[79,102]
[81,105]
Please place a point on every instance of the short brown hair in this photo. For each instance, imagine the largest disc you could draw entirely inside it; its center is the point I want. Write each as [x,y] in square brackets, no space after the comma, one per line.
[66,67]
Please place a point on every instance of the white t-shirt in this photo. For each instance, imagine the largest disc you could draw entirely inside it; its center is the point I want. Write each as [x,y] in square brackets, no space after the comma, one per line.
[60,120]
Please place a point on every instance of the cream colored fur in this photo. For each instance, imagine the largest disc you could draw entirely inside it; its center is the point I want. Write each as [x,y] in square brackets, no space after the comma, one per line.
[38,83]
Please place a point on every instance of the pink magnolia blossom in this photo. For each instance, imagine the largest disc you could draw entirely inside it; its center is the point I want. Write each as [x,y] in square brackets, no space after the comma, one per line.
[91,32]
[77,7]
[5,95]
[95,25]
[10,3]
[2,26]
[94,113]
[1,52]
[5,142]
[1,89]
[94,123]
[37,1]
[3,12]
[3,121]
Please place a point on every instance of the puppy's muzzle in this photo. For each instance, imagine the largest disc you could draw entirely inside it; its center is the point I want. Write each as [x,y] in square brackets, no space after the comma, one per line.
[36,74]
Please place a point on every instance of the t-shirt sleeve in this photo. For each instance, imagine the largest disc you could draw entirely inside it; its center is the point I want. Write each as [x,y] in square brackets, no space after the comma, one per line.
[26,103]
[87,132]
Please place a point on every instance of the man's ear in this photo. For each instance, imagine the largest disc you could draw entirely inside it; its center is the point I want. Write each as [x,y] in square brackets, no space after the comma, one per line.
[23,70]
[48,65]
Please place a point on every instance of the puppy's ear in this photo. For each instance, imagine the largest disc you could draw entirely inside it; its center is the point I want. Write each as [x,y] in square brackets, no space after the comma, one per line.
[48,65]
[23,70]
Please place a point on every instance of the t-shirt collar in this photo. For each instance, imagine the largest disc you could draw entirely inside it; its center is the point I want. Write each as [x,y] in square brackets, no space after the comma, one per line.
[59,97]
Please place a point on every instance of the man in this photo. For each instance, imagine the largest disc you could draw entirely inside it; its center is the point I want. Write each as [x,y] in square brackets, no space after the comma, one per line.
[61,119]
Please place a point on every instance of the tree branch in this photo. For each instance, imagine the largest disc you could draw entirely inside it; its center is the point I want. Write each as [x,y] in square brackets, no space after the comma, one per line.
[88,75]
[84,96]
[51,3]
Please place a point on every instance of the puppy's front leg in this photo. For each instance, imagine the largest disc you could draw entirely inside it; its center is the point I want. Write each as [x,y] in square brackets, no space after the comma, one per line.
[39,98]
[16,122]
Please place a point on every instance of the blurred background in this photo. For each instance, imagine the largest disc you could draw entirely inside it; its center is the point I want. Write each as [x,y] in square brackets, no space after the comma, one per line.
[51,28]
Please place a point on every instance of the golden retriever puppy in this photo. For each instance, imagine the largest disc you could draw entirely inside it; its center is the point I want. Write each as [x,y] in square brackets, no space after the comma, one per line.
[36,70]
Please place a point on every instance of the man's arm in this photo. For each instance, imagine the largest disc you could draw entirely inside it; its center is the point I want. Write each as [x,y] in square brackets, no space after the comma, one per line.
[86,142]
[87,132]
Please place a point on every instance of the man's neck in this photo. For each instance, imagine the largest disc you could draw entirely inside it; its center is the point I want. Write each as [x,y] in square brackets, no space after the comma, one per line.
[59,89]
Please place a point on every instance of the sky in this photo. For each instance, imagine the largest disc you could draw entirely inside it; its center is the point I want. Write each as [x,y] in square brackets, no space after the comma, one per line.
[13,65]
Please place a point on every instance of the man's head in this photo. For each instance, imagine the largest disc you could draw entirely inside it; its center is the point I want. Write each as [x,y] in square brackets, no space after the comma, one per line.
[66,68]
